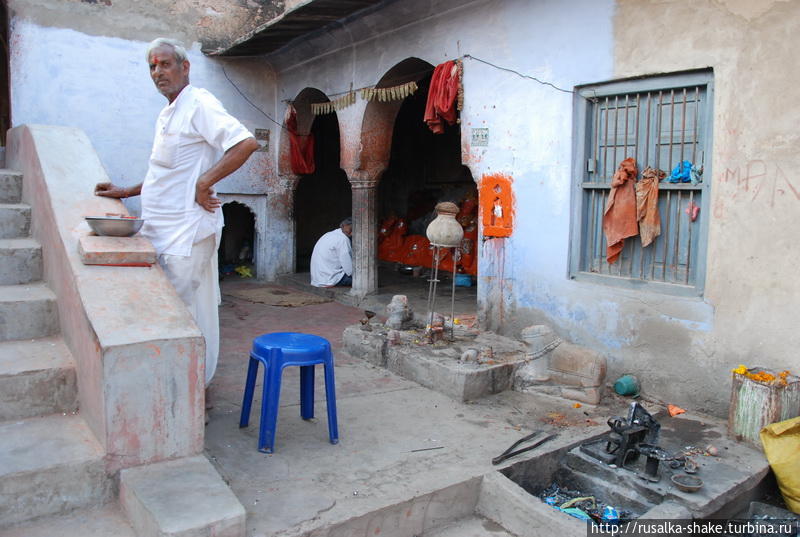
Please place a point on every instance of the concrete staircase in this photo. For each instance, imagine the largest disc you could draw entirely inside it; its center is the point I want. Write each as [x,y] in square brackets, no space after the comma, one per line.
[50,461]
[53,470]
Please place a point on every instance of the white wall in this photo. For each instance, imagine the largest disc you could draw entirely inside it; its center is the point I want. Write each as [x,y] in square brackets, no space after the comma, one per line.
[101,85]
[524,278]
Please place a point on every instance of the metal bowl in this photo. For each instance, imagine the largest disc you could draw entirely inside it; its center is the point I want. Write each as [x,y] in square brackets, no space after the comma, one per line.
[115,226]
[687,483]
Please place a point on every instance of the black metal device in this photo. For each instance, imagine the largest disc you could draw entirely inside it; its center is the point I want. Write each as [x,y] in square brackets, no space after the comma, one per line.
[634,435]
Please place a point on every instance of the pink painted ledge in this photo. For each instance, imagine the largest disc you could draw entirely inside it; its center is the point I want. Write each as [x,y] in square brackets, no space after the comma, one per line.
[116,251]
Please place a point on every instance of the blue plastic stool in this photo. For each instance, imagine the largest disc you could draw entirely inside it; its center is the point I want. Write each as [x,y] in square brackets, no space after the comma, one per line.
[279,350]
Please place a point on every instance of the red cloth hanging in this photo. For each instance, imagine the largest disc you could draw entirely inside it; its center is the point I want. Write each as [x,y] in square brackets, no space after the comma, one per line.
[619,219]
[441,105]
[301,145]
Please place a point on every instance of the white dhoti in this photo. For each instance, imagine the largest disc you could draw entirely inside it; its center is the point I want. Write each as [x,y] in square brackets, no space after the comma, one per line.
[196,279]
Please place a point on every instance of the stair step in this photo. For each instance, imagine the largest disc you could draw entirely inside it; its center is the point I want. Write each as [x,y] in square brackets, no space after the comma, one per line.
[37,378]
[49,466]
[15,220]
[10,186]
[475,526]
[20,261]
[27,311]
[180,498]
[104,521]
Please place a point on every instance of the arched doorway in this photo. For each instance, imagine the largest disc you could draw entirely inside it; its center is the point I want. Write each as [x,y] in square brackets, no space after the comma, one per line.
[421,169]
[323,198]
[238,245]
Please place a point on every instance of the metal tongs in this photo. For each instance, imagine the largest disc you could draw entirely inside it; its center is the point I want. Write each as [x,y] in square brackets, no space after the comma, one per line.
[512,451]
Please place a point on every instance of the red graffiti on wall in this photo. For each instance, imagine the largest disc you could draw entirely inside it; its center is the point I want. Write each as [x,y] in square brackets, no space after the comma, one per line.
[760,179]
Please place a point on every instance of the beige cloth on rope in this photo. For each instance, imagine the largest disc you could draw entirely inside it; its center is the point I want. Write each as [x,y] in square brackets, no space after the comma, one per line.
[647,205]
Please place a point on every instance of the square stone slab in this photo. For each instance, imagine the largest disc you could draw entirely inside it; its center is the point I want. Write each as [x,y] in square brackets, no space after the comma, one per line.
[117,251]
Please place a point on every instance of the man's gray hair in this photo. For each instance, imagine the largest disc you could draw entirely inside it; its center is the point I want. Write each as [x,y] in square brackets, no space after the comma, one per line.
[177,47]
[346,222]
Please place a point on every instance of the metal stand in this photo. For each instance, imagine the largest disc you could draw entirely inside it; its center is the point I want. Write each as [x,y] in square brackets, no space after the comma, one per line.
[432,287]
[432,282]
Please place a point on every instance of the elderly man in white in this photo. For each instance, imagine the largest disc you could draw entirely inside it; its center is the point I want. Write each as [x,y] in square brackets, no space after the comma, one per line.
[332,258]
[197,144]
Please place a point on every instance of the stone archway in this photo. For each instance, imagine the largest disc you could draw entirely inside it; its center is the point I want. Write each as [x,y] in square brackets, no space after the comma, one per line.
[256,205]
[319,200]
[375,151]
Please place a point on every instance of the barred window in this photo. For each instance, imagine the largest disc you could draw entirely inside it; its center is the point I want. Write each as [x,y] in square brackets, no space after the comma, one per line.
[661,122]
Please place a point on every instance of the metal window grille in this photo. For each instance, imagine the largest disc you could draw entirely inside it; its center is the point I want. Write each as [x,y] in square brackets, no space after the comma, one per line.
[659,127]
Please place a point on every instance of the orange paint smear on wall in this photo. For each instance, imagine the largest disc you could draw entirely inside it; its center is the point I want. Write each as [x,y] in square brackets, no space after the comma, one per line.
[496,205]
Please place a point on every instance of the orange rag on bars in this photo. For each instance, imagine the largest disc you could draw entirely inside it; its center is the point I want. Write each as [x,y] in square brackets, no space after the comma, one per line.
[301,146]
[619,218]
[441,105]
[647,205]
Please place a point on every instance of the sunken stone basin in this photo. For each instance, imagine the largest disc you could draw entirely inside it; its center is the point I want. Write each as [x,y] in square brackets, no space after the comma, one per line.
[438,366]
[511,496]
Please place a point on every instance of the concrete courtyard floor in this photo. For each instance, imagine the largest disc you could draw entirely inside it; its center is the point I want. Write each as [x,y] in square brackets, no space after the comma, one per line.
[387,426]
[408,460]
[390,283]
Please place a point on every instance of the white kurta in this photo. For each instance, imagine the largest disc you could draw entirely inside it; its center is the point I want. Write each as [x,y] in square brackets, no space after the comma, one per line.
[331,259]
[192,133]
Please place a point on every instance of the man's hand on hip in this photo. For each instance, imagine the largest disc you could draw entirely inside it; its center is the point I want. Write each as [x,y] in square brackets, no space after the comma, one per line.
[204,196]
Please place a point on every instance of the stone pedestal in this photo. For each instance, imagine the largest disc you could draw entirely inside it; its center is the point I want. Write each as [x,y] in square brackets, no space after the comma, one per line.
[560,368]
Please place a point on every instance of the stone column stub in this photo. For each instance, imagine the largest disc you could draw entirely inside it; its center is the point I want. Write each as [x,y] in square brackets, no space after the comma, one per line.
[280,225]
[363,184]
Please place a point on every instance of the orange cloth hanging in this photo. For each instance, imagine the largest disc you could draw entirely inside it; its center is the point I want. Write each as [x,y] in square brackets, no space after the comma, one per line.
[441,104]
[647,205]
[619,218]
[301,146]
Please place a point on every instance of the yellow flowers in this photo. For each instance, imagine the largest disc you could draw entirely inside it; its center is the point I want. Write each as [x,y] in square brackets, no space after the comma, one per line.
[762,376]
[244,271]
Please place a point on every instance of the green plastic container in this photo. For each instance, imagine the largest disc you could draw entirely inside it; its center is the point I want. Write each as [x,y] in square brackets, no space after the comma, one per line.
[627,385]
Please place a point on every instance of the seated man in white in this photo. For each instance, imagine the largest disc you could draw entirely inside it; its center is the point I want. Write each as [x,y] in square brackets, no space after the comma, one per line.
[332,258]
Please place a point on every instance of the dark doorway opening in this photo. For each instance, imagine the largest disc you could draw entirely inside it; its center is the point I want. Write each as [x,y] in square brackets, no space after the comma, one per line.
[238,245]
[424,169]
[322,199]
